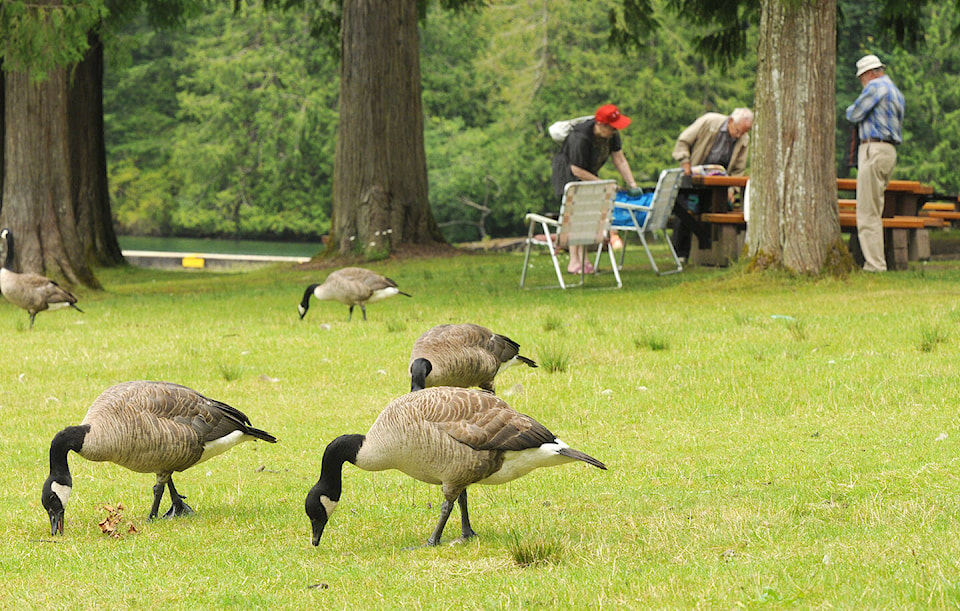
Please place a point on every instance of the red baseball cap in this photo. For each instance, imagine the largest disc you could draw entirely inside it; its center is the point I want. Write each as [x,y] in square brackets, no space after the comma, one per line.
[610,115]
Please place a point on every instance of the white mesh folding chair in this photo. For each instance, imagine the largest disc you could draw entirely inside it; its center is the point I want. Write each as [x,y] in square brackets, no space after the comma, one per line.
[583,221]
[652,218]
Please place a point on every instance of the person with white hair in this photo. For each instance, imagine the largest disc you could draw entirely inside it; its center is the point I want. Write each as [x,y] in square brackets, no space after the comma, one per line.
[713,139]
[878,114]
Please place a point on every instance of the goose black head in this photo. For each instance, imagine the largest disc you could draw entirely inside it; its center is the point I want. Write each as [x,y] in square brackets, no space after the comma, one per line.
[319,507]
[305,302]
[419,370]
[54,497]
[323,497]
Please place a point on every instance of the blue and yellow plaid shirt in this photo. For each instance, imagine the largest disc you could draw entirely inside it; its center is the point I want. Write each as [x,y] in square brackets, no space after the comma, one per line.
[878,111]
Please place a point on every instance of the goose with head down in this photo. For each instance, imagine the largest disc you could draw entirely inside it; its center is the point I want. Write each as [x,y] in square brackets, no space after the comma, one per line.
[147,427]
[351,286]
[462,355]
[450,437]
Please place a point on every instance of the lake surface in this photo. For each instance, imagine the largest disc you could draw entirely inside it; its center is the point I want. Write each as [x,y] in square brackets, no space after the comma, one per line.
[227,247]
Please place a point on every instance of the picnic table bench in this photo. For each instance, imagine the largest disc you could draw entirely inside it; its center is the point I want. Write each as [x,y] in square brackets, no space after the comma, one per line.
[944,211]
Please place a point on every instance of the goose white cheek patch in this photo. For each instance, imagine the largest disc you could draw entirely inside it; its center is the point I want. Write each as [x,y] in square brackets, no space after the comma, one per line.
[62,492]
[328,505]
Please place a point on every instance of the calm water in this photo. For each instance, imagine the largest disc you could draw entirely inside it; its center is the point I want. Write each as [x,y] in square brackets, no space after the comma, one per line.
[228,247]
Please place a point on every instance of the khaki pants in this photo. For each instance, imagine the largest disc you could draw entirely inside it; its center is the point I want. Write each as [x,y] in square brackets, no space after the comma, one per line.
[875,163]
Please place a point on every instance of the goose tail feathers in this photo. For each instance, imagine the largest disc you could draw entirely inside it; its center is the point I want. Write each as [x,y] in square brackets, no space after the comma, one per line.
[259,434]
[578,455]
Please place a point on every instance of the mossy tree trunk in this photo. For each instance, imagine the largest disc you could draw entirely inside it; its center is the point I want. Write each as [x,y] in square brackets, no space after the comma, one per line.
[794,222]
[38,187]
[380,171]
[54,189]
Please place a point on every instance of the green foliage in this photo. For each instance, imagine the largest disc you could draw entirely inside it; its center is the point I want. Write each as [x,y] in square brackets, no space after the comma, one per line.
[37,37]
[243,143]
[229,126]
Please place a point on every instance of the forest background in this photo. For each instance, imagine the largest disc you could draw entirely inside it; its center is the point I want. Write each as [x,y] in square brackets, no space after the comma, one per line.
[227,126]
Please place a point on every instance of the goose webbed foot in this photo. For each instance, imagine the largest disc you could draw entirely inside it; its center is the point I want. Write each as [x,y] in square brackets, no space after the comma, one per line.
[178,507]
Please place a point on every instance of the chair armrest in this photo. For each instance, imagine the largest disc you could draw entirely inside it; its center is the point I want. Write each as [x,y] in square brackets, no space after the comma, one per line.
[539,218]
[637,207]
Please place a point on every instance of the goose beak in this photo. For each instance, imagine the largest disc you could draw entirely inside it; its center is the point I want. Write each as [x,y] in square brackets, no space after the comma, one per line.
[56,523]
[318,526]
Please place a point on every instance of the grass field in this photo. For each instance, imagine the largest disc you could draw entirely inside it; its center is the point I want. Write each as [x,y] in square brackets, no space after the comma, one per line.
[771,442]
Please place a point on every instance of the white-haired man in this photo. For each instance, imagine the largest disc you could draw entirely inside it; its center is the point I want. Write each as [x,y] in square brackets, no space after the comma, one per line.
[878,114]
[713,139]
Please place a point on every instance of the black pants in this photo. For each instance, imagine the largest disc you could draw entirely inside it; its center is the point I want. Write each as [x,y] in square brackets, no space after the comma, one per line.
[685,225]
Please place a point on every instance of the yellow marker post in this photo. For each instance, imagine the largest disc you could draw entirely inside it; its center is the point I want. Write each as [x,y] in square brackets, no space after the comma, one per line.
[193,262]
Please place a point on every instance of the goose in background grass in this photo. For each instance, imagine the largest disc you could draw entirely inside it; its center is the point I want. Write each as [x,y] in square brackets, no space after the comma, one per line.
[352,286]
[147,427]
[462,355]
[32,292]
[451,437]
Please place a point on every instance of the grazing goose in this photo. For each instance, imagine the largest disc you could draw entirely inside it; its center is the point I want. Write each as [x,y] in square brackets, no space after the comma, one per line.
[32,292]
[451,437]
[147,427]
[352,286]
[462,355]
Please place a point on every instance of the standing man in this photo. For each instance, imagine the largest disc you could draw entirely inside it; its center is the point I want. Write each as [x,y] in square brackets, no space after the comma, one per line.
[713,139]
[581,156]
[878,113]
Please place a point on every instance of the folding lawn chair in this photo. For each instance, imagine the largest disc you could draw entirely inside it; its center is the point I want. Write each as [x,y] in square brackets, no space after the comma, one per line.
[652,217]
[583,221]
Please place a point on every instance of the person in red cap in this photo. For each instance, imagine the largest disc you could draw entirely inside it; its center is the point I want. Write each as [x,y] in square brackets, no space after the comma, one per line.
[581,156]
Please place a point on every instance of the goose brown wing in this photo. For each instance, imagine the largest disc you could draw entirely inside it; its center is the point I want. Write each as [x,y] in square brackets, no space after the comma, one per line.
[50,290]
[371,280]
[502,347]
[483,421]
[181,406]
[347,285]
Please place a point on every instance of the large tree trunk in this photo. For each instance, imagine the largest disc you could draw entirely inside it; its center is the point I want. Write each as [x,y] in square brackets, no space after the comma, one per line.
[38,188]
[88,159]
[794,221]
[380,172]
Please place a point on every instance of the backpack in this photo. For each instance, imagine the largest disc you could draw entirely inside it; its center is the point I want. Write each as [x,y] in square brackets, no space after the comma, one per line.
[561,129]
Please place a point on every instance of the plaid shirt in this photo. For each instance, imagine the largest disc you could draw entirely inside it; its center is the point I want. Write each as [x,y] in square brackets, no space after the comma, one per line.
[878,111]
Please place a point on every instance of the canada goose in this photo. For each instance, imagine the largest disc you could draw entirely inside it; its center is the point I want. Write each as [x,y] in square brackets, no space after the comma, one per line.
[352,286]
[462,355]
[452,437]
[147,427]
[32,292]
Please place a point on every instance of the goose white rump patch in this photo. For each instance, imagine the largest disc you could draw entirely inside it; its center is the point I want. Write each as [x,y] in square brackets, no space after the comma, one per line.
[519,463]
[221,445]
[381,294]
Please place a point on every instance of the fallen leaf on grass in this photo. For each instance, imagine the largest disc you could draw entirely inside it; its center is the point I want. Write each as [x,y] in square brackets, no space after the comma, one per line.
[113,525]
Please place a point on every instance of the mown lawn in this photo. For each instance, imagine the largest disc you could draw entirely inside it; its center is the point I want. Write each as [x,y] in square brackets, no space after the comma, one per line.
[771,442]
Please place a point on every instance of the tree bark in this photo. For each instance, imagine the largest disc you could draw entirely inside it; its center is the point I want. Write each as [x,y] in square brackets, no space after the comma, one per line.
[88,159]
[380,171]
[38,202]
[794,222]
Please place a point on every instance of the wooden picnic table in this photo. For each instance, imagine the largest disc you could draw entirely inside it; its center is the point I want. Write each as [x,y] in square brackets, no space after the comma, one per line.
[715,188]
[901,198]
[907,233]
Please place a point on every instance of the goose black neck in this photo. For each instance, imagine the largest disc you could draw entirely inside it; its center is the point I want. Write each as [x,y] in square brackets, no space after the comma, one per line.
[8,256]
[342,449]
[419,370]
[70,438]
[305,302]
